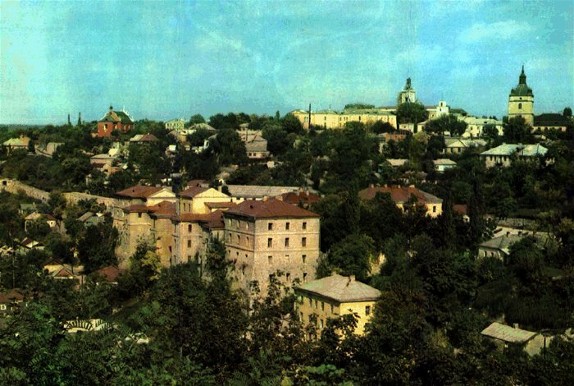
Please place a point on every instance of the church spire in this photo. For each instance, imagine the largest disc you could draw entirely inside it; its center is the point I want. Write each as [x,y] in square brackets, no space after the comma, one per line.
[522,78]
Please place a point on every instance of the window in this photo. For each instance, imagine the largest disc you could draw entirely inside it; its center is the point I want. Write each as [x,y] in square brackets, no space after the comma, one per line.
[189,243]
[304,242]
[304,277]
[270,226]
[270,259]
[368,310]
[189,228]
[520,106]
[322,306]
[269,242]
[287,226]
[304,225]
[434,208]
[139,215]
[288,277]
[286,241]
[238,239]
[321,322]
[304,258]
[332,309]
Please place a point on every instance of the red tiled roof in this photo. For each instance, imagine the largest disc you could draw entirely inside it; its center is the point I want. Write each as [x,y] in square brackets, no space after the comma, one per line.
[399,194]
[461,209]
[139,191]
[269,209]
[213,205]
[210,220]
[215,220]
[296,198]
[192,191]
[12,295]
[110,273]
[162,209]
[201,183]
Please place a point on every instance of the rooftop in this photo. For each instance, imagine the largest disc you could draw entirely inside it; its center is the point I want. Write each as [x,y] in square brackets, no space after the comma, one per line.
[139,191]
[399,194]
[507,333]
[341,289]
[271,208]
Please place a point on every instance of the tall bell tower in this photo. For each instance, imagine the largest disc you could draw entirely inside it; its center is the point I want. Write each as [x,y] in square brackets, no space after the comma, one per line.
[521,100]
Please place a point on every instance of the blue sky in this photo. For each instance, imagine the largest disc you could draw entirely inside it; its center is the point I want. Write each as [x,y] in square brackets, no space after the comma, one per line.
[168,59]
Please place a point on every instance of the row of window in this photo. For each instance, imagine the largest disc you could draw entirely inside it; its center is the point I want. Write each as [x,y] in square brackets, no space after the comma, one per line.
[270,259]
[287,242]
[287,226]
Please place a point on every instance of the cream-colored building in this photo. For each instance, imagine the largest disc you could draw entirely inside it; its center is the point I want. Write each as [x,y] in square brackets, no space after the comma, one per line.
[271,238]
[331,119]
[505,154]
[175,124]
[475,126]
[403,196]
[334,296]
[521,101]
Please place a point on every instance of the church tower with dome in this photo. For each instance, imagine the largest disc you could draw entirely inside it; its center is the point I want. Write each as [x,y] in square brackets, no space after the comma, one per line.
[521,100]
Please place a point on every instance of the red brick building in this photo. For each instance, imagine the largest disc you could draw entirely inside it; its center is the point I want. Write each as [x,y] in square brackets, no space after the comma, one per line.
[114,120]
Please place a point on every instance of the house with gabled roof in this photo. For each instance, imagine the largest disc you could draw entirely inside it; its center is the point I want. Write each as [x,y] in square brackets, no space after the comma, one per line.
[504,154]
[403,196]
[150,195]
[271,238]
[114,120]
[20,143]
[144,138]
[334,296]
[202,200]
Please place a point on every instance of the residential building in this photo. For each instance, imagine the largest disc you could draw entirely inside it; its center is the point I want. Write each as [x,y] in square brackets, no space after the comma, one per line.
[257,192]
[475,126]
[271,237]
[150,195]
[459,145]
[531,342]
[521,100]
[334,296]
[443,164]
[550,122]
[20,143]
[257,149]
[498,247]
[143,138]
[405,196]
[504,154]
[175,124]
[203,200]
[114,120]
[302,198]
[47,149]
[10,301]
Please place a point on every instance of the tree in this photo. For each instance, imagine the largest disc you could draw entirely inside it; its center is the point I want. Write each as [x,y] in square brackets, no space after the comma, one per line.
[96,249]
[196,118]
[567,112]
[380,127]
[351,256]
[517,131]
[411,112]
[449,123]
[358,106]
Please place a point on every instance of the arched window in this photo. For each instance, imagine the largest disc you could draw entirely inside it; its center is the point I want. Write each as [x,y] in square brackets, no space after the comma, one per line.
[520,106]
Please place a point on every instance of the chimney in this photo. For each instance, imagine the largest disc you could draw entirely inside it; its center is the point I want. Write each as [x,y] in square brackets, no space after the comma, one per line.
[351,279]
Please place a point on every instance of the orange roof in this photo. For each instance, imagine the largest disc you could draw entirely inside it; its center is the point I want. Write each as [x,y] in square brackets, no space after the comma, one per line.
[139,191]
[109,273]
[269,209]
[212,205]
[296,198]
[12,295]
[192,191]
[399,194]
[162,209]
[210,220]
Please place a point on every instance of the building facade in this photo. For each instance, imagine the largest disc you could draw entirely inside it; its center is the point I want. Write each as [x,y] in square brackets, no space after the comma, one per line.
[334,296]
[403,196]
[271,238]
[114,120]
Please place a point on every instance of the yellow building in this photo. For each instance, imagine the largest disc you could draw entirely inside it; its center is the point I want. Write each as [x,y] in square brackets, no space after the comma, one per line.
[331,119]
[265,238]
[521,101]
[333,296]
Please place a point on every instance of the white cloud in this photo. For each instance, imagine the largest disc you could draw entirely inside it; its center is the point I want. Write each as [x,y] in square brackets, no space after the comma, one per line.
[500,30]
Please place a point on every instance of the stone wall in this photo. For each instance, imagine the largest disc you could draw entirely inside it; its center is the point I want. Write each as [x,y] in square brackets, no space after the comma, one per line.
[15,187]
